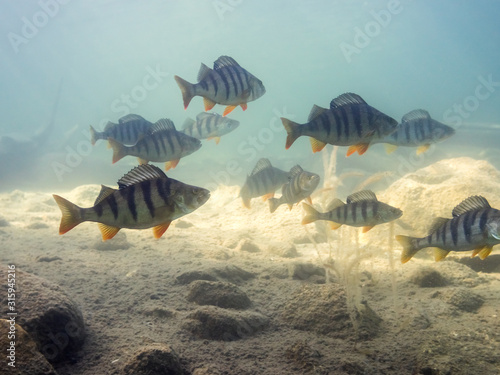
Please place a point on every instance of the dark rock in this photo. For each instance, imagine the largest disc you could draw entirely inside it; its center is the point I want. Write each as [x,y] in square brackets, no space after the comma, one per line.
[158,312]
[488,265]
[233,274]
[157,359]
[3,222]
[47,259]
[217,293]
[323,309]
[248,246]
[214,323]
[37,225]
[281,249]
[464,299]
[190,276]
[304,271]
[303,355]
[427,277]
[51,318]
[28,360]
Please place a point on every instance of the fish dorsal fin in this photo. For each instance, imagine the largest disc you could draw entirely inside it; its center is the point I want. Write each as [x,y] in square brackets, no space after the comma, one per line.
[224,61]
[417,114]
[130,117]
[105,192]
[475,202]
[261,165]
[345,99]
[363,195]
[335,203]
[315,112]
[204,71]
[141,173]
[162,125]
[203,115]
[188,123]
[437,223]
[295,171]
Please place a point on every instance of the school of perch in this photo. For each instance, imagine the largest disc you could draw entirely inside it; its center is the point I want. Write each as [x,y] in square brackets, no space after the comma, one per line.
[147,198]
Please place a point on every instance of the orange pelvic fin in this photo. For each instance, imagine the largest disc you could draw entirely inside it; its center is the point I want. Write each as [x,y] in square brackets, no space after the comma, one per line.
[244,106]
[107,231]
[316,145]
[367,228]
[160,229]
[228,110]
[267,196]
[171,164]
[360,148]
[209,104]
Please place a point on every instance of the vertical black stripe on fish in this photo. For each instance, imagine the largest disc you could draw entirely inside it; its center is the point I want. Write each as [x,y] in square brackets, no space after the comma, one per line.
[135,133]
[155,143]
[363,210]
[146,194]
[199,128]
[238,88]
[345,120]
[224,80]
[338,123]
[354,206]
[129,131]
[374,209]
[232,81]
[168,136]
[474,215]
[407,133]
[482,220]
[128,194]
[454,230]
[214,84]
[338,213]
[162,186]
[204,85]
[325,125]
[467,226]
[112,204]
[163,145]
[345,212]
[442,232]
[356,116]
[146,147]
[242,79]
[98,209]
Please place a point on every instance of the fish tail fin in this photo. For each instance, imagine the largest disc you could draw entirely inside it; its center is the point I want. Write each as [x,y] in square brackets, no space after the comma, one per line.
[273,204]
[93,135]
[186,90]
[311,214]
[71,214]
[119,149]
[410,247]
[292,130]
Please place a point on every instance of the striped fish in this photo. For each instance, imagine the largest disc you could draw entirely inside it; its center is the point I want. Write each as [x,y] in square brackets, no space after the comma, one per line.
[146,198]
[300,186]
[474,226]
[127,131]
[162,144]
[227,83]
[209,126]
[263,181]
[417,129]
[362,209]
[350,121]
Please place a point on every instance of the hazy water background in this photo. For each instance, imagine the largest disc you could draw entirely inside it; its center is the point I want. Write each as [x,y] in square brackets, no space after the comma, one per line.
[427,54]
